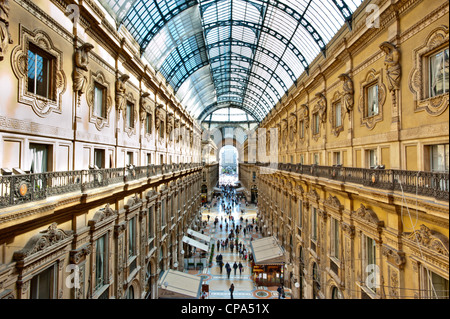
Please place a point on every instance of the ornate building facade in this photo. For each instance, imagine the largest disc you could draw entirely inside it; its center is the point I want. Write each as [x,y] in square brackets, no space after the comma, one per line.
[358,192]
[99,179]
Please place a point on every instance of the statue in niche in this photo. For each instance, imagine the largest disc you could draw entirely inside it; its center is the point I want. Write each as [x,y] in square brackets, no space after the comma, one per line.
[5,35]
[292,126]
[393,68]
[322,106]
[145,106]
[305,109]
[347,86]
[121,91]
[80,79]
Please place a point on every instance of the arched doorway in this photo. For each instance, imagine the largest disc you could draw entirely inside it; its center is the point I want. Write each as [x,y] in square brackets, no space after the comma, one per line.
[228,165]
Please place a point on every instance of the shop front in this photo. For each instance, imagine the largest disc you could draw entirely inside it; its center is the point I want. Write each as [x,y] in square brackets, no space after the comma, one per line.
[268,262]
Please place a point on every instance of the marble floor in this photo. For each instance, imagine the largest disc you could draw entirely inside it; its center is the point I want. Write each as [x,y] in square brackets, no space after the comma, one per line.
[219,283]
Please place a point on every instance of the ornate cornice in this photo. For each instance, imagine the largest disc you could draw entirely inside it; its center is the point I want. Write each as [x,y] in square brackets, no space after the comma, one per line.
[40,242]
[430,239]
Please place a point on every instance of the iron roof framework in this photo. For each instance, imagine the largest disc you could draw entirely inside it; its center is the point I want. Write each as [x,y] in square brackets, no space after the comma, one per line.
[242,55]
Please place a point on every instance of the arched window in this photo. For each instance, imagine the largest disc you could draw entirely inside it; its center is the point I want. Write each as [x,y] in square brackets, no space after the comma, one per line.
[130,293]
[336,294]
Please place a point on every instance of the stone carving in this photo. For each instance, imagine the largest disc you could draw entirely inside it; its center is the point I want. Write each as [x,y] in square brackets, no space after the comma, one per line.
[146,107]
[46,238]
[121,91]
[397,256]
[5,35]
[305,114]
[78,255]
[322,107]
[81,60]
[170,124]
[102,214]
[430,239]
[333,201]
[292,126]
[99,122]
[348,92]
[367,215]
[284,130]
[393,68]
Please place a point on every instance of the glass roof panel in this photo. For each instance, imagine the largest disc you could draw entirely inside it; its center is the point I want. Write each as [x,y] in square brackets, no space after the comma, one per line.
[225,53]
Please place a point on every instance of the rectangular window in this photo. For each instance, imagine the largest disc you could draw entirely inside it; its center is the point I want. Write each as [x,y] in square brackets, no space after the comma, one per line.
[316,158]
[43,285]
[99,100]
[314,224]
[372,158]
[101,257]
[439,158]
[337,158]
[300,213]
[316,123]
[149,158]
[151,227]
[335,238]
[40,158]
[372,100]
[302,129]
[132,237]
[302,159]
[370,260]
[438,73]
[163,212]
[99,158]
[40,72]
[435,286]
[130,115]
[129,158]
[337,114]
[148,123]
[161,130]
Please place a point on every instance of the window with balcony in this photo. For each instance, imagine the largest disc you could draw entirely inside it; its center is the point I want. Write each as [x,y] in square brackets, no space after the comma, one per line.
[40,158]
[130,115]
[372,158]
[99,158]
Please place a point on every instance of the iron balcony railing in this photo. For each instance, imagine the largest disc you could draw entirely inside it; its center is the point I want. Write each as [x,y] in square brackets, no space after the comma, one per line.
[432,184]
[16,189]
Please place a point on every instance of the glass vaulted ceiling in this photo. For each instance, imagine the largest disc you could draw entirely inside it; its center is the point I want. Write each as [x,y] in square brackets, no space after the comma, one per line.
[238,55]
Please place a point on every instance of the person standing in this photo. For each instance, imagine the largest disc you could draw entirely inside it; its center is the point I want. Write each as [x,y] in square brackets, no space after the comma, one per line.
[241,267]
[231,290]
[228,268]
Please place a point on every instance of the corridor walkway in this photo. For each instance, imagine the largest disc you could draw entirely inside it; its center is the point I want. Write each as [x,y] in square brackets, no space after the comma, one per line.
[219,283]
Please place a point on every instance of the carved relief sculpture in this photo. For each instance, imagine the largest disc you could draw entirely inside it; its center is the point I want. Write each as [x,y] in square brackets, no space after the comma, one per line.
[322,106]
[292,126]
[284,130]
[5,35]
[393,68]
[80,79]
[347,87]
[121,91]
[305,110]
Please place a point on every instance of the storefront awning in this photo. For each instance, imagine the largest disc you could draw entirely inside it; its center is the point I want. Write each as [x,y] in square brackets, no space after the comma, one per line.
[195,243]
[241,189]
[199,235]
[218,190]
[267,251]
[176,284]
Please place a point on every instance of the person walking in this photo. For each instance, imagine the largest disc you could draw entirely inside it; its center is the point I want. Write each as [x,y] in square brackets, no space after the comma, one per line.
[235,267]
[241,268]
[280,291]
[221,266]
[231,290]
[228,267]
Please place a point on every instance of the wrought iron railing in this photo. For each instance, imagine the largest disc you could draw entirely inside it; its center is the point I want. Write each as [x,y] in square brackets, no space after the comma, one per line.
[432,184]
[23,188]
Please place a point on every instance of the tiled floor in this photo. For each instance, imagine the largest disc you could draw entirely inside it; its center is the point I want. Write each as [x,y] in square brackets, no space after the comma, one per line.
[219,284]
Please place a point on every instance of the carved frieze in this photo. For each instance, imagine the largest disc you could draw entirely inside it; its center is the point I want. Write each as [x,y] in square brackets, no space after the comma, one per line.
[430,239]
[43,240]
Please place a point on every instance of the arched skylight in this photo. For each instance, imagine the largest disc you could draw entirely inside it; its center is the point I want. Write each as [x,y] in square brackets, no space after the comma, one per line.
[235,54]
